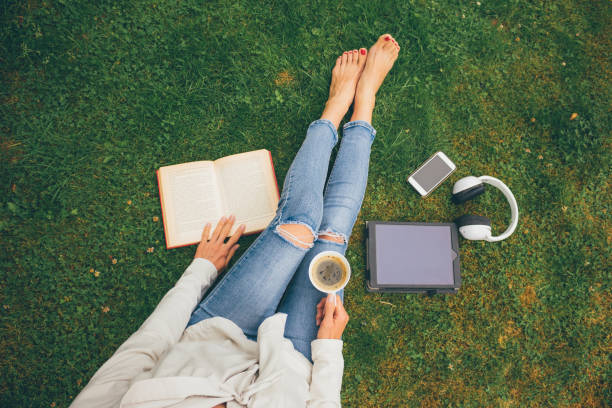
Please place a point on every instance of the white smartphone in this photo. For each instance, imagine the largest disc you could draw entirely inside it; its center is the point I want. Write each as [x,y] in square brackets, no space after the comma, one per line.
[431,173]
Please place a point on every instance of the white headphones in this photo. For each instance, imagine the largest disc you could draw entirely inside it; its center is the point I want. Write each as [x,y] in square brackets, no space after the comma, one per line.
[476,227]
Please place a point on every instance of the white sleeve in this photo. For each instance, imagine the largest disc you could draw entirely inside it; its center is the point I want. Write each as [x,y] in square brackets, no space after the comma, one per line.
[141,351]
[327,369]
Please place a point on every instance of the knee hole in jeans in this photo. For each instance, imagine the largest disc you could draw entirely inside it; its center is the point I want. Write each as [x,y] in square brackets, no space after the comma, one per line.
[298,234]
[332,237]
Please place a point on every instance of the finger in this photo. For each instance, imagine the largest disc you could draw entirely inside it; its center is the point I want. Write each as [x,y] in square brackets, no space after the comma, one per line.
[321,302]
[337,301]
[206,232]
[319,317]
[329,310]
[232,251]
[341,311]
[236,236]
[227,227]
[339,304]
[320,311]
[218,228]
[321,305]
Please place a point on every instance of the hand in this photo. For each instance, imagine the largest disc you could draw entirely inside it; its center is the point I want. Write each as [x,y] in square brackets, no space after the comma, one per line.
[214,249]
[331,318]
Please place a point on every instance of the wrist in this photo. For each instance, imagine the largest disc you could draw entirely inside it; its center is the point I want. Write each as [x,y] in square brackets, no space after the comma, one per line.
[328,335]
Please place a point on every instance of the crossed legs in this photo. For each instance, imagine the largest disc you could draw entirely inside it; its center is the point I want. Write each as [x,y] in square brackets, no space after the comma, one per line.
[341,204]
[308,220]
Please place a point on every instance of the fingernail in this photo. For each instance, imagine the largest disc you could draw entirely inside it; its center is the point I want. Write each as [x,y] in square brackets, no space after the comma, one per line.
[330,296]
[363,51]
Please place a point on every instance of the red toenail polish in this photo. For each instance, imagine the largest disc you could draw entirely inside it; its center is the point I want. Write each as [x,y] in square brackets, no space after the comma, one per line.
[362,52]
[387,38]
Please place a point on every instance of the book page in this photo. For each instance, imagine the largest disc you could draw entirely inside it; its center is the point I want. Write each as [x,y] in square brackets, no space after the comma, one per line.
[248,188]
[190,199]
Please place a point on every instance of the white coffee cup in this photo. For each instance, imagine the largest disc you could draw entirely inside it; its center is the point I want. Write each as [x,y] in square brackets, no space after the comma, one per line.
[329,260]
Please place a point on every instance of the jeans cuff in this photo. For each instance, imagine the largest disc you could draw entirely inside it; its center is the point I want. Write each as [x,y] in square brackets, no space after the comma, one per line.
[328,123]
[360,123]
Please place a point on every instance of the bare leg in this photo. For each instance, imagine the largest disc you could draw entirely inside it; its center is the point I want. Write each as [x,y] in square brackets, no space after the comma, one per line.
[344,81]
[381,57]
[345,75]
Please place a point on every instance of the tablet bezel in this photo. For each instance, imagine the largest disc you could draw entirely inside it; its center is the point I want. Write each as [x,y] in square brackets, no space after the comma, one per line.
[372,284]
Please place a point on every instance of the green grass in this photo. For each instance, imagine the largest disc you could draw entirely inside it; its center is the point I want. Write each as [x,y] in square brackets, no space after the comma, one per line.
[95,97]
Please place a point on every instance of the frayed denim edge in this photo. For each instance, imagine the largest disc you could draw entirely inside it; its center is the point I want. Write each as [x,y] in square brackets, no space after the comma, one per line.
[288,240]
[333,234]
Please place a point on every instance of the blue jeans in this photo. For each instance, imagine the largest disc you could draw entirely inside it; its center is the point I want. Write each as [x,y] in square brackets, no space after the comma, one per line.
[272,275]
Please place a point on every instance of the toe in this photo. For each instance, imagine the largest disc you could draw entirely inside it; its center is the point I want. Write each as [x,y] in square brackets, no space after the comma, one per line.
[354,56]
[384,38]
[362,56]
[345,58]
[337,66]
[388,45]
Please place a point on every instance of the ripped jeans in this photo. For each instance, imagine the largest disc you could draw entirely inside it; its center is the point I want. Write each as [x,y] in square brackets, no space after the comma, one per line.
[272,275]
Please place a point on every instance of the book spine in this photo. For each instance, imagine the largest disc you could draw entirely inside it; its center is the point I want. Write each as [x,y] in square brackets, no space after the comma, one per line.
[161,202]
[274,174]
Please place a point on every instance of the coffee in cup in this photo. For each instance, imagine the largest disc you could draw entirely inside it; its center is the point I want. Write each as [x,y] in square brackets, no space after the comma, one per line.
[329,271]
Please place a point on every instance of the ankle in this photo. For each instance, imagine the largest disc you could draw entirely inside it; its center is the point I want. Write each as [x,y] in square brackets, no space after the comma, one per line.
[331,113]
[362,117]
[363,109]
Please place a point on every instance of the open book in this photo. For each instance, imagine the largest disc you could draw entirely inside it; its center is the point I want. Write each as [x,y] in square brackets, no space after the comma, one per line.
[195,193]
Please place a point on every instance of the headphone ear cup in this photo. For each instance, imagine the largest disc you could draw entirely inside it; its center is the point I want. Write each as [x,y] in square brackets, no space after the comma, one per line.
[465,195]
[471,219]
[474,227]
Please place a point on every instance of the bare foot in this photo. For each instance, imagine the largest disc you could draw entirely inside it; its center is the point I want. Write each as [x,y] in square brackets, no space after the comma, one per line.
[381,57]
[344,81]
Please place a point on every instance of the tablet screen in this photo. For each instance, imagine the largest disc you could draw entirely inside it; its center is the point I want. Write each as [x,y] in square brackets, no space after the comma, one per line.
[414,255]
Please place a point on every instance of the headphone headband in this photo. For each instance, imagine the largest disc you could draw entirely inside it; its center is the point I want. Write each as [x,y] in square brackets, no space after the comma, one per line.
[513,206]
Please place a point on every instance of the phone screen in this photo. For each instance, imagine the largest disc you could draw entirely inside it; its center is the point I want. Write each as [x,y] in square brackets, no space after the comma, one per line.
[431,174]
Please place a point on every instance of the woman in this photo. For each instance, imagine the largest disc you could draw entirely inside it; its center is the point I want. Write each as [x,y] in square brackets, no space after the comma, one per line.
[253,341]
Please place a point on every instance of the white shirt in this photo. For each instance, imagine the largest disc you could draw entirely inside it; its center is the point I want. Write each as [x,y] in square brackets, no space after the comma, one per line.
[165,365]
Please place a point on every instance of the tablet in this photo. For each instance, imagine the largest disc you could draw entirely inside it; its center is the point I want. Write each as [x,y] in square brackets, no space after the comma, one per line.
[412,257]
